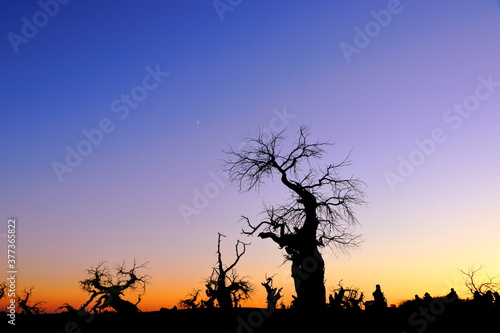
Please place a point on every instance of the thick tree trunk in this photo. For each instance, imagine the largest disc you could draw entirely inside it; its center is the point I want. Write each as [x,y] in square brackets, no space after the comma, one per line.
[308,272]
[224,300]
[308,266]
[223,294]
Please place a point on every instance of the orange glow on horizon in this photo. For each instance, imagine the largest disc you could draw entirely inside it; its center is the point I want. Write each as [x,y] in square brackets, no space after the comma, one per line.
[158,297]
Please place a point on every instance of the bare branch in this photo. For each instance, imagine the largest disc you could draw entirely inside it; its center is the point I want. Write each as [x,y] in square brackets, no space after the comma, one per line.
[106,290]
[482,287]
[224,284]
[320,195]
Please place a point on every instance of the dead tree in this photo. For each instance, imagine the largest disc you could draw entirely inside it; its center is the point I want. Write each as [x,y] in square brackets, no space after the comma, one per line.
[482,287]
[224,284]
[69,309]
[29,309]
[273,294]
[318,213]
[346,298]
[107,290]
[190,303]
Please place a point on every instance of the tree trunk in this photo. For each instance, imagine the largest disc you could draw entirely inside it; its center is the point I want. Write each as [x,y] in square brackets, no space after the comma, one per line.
[308,272]
[308,268]
[223,294]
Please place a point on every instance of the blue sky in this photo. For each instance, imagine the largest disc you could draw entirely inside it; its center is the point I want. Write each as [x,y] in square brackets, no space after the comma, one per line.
[226,78]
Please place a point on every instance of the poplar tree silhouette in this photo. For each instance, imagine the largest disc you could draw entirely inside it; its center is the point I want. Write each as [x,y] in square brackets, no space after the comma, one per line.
[273,293]
[224,284]
[318,213]
[106,289]
[25,303]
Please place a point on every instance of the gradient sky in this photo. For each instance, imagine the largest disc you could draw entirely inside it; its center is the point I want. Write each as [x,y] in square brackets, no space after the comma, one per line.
[229,74]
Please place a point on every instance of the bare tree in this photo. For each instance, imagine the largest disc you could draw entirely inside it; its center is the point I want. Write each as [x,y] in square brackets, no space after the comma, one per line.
[107,290]
[26,307]
[190,302]
[476,287]
[68,308]
[273,294]
[346,298]
[318,213]
[224,284]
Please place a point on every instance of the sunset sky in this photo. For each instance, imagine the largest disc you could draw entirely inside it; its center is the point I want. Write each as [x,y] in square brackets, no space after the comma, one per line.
[151,92]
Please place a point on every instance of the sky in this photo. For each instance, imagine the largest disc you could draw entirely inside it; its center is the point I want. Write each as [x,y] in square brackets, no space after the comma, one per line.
[115,116]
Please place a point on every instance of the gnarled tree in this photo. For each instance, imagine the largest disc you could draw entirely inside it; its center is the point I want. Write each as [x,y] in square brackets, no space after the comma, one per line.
[318,213]
[190,302]
[224,284]
[25,303]
[346,298]
[273,294]
[107,290]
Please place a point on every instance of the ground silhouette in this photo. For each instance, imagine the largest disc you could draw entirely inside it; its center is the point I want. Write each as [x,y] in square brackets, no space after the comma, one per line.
[436,314]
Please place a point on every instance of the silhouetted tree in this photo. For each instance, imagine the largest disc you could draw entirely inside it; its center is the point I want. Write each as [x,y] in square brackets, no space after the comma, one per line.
[29,309]
[107,290]
[68,308]
[190,302]
[337,300]
[476,287]
[346,298]
[319,211]
[273,294]
[224,285]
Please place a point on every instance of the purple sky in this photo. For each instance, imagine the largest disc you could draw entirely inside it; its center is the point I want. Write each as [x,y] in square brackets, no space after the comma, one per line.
[173,83]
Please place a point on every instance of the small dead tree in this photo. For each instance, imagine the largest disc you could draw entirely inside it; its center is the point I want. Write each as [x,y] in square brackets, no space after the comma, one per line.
[69,309]
[273,294]
[224,284]
[479,288]
[107,290]
[190,302]
[346,298]
[318,213]
[29,309]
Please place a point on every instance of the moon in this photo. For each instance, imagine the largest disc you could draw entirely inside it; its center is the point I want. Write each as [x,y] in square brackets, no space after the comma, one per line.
[197,122]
